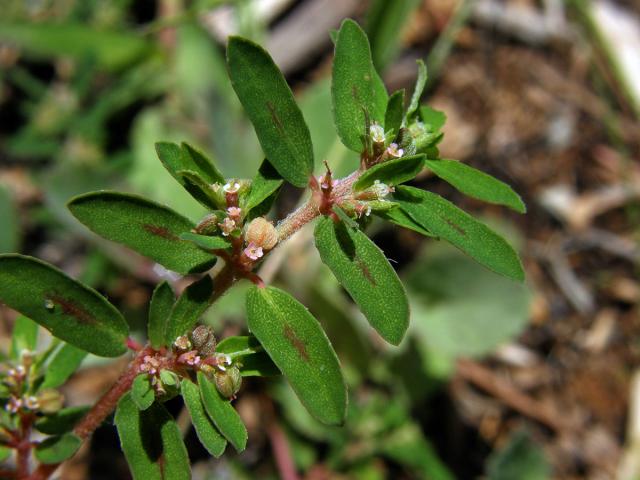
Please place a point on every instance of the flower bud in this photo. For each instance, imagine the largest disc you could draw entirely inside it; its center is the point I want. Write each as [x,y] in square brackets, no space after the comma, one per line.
[50,400]
[261,233]
[204,340]
[377,133]
[228,382]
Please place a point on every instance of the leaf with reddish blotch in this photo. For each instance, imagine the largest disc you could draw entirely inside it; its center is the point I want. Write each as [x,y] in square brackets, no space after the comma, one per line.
[363,270]
[151,442]
[357,91]
[145,226]
[299,347]
[445,220]
[269,103]
[70,310]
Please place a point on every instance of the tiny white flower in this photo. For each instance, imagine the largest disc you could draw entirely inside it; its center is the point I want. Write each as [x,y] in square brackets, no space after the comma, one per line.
[394,151]
[227,226]
[231,187]
[253,251]
[234,212]
[377,133]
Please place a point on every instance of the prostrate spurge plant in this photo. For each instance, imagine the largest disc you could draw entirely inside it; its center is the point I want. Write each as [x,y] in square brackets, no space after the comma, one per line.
[184,359]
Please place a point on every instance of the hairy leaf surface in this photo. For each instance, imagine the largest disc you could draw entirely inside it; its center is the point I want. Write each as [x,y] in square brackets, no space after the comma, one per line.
[460,229]
[299,347]
[363,270]
[205,429]
[147,227]
[151,442]
[273,111]
[476,184]
[63,364]
[160,307]
[222,413]
[357,92]
[391,172]
[70,310]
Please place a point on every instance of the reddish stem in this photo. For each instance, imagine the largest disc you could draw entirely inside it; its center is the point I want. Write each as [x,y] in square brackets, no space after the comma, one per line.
[231,272]
[101,410]
[281,452]
[133,344]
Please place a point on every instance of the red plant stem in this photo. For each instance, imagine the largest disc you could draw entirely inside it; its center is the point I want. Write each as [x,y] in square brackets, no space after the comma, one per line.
[101,410]
[222,282]
[108,402]
[281,452]
[23,445]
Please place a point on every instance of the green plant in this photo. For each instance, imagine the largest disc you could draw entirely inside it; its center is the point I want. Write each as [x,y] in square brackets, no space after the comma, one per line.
[182,358]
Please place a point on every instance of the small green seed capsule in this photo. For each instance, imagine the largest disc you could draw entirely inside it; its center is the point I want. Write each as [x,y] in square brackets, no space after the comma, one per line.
[228,382]
[204,340]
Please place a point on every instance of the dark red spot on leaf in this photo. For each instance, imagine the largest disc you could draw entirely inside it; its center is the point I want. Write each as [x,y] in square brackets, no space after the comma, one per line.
[275,118]
[160,232]
[366,272]
[296,342]
[456,227]
[71,308]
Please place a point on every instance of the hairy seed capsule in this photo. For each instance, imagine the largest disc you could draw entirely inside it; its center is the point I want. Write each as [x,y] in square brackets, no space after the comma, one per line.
[204,340]
[229,381]
[262,233]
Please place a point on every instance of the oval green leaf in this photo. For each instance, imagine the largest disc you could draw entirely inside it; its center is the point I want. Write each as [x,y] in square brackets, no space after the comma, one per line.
[394,115]
[273,111]
[63,364]
[70,310]
[151,442]
[198,189]
[476,184]
[147,227]
[160,307]
[142,393]
[357,92]
[222,413]
[300,348]
[363,270]
[205,429]
[447,221]
[24,336]
[392,172]
[193,302]
[176,158]
[57,449]
[266,182]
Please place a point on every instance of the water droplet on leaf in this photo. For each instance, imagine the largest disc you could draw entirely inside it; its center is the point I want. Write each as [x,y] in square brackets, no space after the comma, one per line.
[48,304]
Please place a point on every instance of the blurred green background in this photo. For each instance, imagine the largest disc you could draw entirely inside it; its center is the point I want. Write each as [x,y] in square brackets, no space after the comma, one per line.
[496,380]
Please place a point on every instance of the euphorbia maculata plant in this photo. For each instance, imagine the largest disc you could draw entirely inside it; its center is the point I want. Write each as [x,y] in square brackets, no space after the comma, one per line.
[183,358]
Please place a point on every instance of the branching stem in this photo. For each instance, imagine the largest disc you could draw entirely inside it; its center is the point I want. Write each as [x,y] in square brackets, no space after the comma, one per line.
[225,279]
